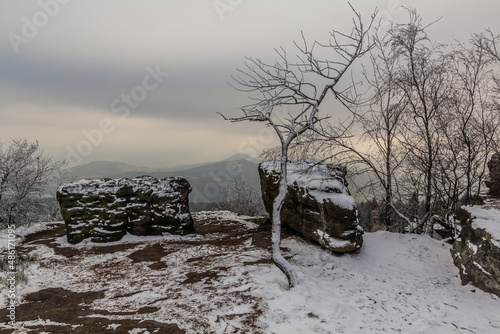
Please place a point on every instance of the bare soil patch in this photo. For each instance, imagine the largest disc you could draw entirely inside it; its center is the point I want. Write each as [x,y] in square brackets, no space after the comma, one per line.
[59,309]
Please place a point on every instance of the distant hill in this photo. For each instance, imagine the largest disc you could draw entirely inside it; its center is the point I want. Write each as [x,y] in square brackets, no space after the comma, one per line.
[208,180]
[240,156]
[108,169]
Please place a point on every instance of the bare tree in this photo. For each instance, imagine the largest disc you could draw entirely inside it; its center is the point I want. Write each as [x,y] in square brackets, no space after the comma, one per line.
[289,95]
[427,127]
[24,174]
[490,44]
[381,119]
[448,123]
[426,81]
[468,127]
[397,120]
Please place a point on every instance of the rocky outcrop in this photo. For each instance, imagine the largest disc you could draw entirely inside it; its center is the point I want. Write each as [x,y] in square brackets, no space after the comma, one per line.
[477,252]
[493,181]
[318,204]
[105,210]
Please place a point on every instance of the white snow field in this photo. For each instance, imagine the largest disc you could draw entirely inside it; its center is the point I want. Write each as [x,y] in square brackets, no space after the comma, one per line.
[396,284]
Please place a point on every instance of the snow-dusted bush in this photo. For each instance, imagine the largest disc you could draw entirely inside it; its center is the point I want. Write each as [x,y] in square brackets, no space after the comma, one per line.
[24,174]
[240,198]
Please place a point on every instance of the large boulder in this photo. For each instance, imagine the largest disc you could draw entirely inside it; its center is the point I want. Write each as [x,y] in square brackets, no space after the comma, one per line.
[477,252]
[493,181]
[317,205]
[105,210]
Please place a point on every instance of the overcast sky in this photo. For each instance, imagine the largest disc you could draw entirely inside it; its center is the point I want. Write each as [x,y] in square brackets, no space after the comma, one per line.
[140,81]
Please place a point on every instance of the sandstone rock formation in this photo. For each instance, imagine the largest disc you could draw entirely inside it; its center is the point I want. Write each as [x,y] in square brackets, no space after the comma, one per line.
[493,181]
[318,204]
[477,252]
[106,209]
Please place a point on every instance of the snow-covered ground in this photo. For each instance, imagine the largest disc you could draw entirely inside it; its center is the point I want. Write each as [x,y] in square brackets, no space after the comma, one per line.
[396,284]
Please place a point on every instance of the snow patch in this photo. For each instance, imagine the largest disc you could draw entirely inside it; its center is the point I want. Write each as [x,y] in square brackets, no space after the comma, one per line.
[473,247]
[482,269]
[113,326]
[330,241]
[93,187]
[139,331]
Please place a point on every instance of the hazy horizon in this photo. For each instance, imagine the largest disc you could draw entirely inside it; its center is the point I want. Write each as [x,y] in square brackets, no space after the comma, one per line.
[231,157]
[141,82]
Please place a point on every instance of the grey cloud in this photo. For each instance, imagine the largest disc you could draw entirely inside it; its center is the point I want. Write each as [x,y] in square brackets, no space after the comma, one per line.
[92,52]
[189,93]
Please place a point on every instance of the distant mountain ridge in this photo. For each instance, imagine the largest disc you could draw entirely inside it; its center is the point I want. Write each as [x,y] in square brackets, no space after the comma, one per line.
[208,180]
[107,169]
[117,169]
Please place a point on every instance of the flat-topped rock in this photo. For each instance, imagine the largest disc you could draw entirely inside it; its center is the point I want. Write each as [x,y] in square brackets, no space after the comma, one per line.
[105,210]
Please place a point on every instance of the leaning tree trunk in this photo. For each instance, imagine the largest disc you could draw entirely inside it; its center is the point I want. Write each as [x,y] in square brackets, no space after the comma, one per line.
[388,183]
[278,259]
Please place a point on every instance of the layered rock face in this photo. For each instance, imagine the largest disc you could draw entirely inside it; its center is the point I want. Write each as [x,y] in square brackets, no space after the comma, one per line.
[318,204]
[477,252]
[493,181]
[105,210]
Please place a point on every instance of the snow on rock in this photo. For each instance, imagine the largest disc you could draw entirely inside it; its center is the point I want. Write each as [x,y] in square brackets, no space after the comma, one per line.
[323,182]
[105,210]
[488,219]
[318,204]
[477,252]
